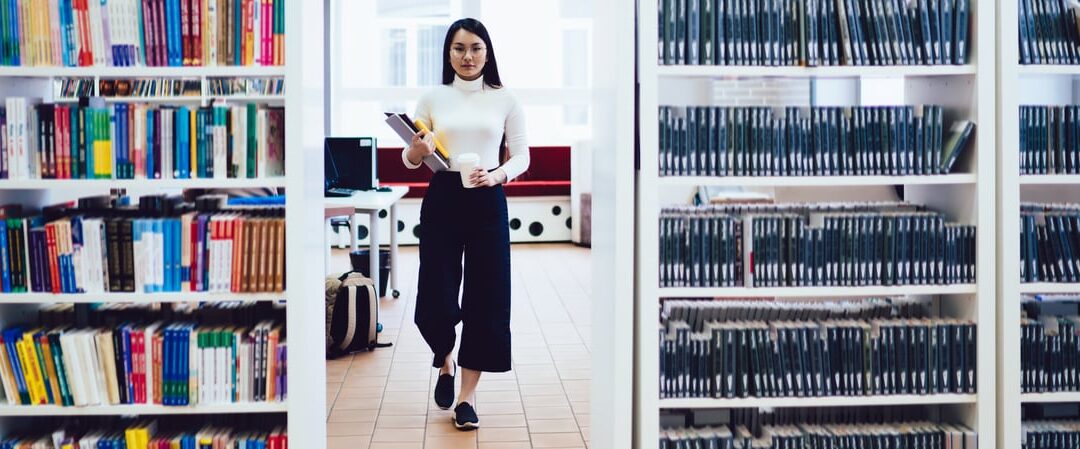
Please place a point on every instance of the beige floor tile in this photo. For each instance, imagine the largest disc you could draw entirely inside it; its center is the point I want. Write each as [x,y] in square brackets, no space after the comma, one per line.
[441,427]
[403,409]
[541,390]
[398,435]
[360,393]
[515,420]
[530,379]
[502,434]
[402,422]
[386,445]
[467,440]
[333,386]
[499,408]
[560,412]
[504,445]
[558,400]
[363,381]
[408,385]
[340,415]
[358,404]
[405,397]
[349,428]
[413,357]
[583,419]
[349,442]
[585,433]
[497,396]
[552,426]
[580,407]
[496,385]
[557,440]
[575,374]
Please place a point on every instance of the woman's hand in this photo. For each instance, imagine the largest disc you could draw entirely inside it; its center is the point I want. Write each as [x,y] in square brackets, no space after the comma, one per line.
[484,178]
[423,145]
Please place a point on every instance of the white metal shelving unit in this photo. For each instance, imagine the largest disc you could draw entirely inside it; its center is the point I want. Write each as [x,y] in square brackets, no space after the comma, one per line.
[966,92]
[305,408]
[1019,85]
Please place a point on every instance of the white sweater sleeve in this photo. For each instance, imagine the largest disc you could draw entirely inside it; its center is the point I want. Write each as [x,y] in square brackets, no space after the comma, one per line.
[516,142]
[423,113]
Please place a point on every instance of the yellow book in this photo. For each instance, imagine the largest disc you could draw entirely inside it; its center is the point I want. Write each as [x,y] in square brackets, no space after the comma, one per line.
[438,145]
[130,440]
[32,369]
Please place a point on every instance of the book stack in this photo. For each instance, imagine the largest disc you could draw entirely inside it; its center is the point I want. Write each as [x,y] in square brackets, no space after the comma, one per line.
[74,87]
[828,244]
[741,356]
[813,32]
[140,141]
[1049,344]
[1049,140]
[1050,434]
[1049,32]
[818,141]
[144,359]
[1049,244]
[146,435]
[74,33]
[90,250]
[245,86]
[923,435]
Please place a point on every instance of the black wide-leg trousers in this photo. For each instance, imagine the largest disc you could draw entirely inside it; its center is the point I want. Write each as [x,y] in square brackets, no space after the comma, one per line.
[456,221]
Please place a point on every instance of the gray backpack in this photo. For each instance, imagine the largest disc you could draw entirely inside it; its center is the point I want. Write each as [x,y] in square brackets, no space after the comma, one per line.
[352,315]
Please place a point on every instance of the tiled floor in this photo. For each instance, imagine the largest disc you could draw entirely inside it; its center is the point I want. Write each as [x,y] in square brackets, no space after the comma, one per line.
[382,400]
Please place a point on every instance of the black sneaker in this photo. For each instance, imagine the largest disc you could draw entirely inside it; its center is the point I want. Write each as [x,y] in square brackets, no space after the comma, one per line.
[444,390]
[465,417]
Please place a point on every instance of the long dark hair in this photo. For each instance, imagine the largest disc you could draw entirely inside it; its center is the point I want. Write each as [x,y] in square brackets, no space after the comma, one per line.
[491,68]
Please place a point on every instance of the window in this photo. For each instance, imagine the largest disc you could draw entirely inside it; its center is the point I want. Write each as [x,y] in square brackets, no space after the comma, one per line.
[390,52]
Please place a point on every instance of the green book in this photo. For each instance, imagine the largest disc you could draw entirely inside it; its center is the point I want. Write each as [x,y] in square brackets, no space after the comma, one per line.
[958,140]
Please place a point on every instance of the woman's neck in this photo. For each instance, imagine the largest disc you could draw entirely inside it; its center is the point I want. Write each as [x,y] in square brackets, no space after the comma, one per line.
[473,85]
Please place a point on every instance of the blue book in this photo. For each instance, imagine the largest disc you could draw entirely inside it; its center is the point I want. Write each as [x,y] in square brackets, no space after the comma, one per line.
[13,14]
[142,38]
[178,251]
[238,32]
[126,337]
[160,254]
[168,366]
[11,335]
[183,142]
[181,364]
[167,252]
[176,53]
[77,244]
[120,114]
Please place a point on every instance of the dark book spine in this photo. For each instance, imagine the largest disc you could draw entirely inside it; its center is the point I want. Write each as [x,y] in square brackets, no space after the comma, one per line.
[112,236]
[127,264]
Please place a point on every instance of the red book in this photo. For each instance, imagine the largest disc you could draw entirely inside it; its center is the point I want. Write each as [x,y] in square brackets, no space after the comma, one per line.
[267,31]
[185,30]
[148,46]
[196,32]
[65,137]
[54,269]
[236,235]
[86,56]
[140,351]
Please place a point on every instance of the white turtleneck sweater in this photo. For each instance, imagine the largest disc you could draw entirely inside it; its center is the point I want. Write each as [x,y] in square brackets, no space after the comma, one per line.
[471,117]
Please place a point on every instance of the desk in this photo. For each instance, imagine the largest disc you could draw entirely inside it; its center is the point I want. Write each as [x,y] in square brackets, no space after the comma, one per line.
[370,203]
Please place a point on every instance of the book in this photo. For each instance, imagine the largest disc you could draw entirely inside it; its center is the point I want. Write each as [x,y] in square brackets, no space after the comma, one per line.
[1049,32]
[812,433]
[212,354]
[122,33]
[1048,250]
[406,128]
[813,32]
[1047,434]
[796,141]
[150,434]
[757,348]
[813,244]
[94,250]
[140,141]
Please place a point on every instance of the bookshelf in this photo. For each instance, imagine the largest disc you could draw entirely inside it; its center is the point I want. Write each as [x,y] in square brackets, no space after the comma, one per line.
[965,196]
[1020,84]
[304,409]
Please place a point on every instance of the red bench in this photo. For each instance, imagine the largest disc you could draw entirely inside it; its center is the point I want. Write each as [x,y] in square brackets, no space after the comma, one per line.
[548,173]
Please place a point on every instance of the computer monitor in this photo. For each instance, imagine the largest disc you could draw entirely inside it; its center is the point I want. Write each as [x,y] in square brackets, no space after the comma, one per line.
[354,161]
[330,173]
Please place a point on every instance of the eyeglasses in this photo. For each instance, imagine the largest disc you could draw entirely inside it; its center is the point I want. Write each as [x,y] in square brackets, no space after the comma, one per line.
[460,52]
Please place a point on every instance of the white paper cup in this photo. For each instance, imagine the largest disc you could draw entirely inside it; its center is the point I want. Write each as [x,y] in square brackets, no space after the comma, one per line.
[465,164]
